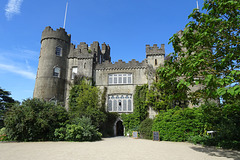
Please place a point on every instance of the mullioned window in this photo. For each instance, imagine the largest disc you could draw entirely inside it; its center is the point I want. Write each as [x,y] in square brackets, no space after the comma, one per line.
[120,78]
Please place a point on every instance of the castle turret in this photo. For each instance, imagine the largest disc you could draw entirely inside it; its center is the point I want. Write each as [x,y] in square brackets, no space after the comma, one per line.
[51,74]
[155,55]
[106,52]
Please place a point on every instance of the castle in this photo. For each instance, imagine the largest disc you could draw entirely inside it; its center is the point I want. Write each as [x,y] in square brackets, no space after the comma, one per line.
[60,61]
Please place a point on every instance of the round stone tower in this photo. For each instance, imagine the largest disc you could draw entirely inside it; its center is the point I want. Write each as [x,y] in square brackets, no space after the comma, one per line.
[52,67]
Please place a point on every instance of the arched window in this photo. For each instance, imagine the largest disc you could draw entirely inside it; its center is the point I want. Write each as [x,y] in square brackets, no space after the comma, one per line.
[56,72]
[155,62]
[59,51]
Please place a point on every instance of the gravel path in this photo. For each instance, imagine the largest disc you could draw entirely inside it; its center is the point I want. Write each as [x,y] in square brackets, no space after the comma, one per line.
[118,148]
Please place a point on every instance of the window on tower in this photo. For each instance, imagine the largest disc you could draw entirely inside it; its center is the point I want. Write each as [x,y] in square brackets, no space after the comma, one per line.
[59,51]
[56,72]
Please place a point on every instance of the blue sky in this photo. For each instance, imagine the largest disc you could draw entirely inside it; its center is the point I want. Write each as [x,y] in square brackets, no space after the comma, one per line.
[126,25]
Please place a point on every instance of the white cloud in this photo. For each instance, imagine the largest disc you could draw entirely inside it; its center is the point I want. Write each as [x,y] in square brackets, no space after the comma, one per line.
[17,70]
[12,8]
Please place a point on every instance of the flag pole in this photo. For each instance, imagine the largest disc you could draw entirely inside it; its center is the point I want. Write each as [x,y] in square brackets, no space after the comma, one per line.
[64,24]
[197,5]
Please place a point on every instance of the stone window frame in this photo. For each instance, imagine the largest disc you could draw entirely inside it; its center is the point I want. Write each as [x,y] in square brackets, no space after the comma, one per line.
[58,51]
[56,71]
[118,78]
[73,74]
[116,103]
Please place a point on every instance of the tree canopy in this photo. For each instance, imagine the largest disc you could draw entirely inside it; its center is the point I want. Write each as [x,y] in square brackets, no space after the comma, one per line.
[6,102]
[207,52]
[84,100]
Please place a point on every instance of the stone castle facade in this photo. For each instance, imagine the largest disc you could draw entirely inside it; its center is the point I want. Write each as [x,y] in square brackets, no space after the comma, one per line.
[60,61]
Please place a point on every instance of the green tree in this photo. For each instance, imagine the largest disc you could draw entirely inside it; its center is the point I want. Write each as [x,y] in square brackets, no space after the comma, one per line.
[207,52]
[6,102]
[34,120]
[84,100]
[166,93]
[145,128]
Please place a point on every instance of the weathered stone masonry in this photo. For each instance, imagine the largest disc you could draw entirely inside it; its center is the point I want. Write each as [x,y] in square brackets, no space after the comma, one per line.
[60,61]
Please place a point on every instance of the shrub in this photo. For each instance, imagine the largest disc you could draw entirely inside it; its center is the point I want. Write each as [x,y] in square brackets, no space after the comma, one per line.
[199,139]
[145,128]
[131,122]
[178,124]
[2,131]
[3,136]
[81,130]
[225,120]
[34,120]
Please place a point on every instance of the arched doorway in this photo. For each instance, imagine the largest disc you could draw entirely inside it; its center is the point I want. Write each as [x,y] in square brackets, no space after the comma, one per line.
[119,128]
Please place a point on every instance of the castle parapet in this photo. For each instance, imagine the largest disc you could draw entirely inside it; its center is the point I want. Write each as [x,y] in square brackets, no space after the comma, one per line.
[60,34]
[155,50]
[133,64]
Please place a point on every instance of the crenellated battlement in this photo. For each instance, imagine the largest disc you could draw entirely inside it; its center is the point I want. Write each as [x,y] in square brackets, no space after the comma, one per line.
[133,64]
[155,50]
[61,34]
[84,51]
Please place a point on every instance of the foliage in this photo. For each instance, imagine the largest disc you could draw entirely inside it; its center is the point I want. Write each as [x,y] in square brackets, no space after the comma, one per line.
[132,121]
[107,127]
[3,136]
[203,140]
[140,102]
[207,52]
[6,102]
[145,128]
[228,135]
[34,120]
[225,121]
[166,92]
[178,124]
[81,130]
[211,116]
[84,101]
[206,55]
[2,131]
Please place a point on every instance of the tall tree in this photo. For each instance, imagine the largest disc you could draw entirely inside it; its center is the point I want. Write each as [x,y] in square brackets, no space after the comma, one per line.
[6,102]
[207,52]
[84,100]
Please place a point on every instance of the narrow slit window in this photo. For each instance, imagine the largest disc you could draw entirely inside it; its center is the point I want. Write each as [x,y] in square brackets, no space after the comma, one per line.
[110,81]
[59,51]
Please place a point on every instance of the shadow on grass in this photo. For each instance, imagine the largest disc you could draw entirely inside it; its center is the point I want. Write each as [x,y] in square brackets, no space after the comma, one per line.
[235,155]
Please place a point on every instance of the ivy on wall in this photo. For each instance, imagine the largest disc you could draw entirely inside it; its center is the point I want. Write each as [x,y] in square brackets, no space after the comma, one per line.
[133,120]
